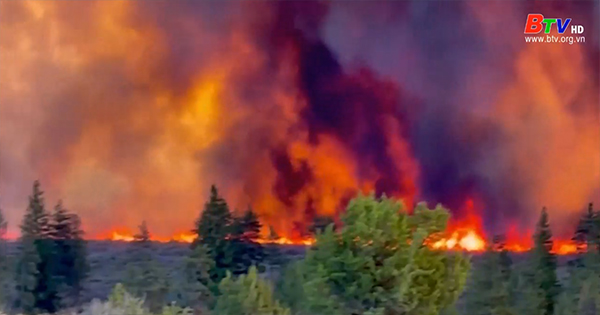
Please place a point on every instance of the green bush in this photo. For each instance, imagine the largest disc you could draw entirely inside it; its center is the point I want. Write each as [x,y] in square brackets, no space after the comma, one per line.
[247,295]
[377,262]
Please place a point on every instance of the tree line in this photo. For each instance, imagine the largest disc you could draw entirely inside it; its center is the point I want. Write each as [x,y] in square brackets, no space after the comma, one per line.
[374,261]
[533,285]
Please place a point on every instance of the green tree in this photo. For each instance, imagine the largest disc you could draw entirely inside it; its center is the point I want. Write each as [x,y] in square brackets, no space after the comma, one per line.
[248,226]
[290,287]
[214,225]
[581,291]
[545,264]
[36,231]
[70,254]
[244,244]
[195,287]
[528,296]
[145,277]
[488,289]
[26,276]
[214,228]
[4,262]
[377,262]
[586,233]
[231,241]
[3,232]
[247,295]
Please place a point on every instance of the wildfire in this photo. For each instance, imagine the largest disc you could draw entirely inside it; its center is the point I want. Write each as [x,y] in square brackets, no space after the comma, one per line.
[190,237]
[463,234]
[184,237]
[288,241]
[116,236]
[467,240]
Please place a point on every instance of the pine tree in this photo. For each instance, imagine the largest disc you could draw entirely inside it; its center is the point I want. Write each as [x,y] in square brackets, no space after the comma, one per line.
[145,277]
[528,297]
[3,230]
[545,264]
[214,228]
[35,225]
[586,234]
[249,226]
[4,262]
[26,276]
[195,287]
[35,230]
[244,243]
[488,291]
[70,254]
[215,223]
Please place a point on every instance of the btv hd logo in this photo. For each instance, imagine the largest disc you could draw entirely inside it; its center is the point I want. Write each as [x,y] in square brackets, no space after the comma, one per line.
[535,21]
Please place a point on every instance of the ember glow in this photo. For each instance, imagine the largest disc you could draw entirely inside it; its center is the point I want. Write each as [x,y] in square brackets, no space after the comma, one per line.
[129,112]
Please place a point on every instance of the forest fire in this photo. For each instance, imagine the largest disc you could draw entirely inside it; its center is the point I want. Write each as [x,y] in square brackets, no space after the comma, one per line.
[189,238]
[463,239]
[279,117]
[463,234]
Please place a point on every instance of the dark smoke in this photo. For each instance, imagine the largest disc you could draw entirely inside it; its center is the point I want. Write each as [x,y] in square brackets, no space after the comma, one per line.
[412,98]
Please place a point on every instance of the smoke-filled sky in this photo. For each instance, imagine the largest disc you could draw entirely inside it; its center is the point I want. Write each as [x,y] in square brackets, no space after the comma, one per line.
[131,110]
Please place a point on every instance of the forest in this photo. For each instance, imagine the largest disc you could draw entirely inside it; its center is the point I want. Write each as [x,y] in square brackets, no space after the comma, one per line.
[377,259]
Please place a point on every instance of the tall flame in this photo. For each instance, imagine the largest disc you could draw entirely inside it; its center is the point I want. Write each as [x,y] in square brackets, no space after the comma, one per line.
[130,111]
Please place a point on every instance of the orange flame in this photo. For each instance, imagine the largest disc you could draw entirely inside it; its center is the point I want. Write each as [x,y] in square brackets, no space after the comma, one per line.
[116,236]
[465,234]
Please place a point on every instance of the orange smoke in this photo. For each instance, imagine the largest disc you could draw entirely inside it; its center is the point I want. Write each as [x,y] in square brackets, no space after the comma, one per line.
[95,104]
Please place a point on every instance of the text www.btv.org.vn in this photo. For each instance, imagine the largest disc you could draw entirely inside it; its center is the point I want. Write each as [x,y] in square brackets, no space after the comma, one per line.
[536,23]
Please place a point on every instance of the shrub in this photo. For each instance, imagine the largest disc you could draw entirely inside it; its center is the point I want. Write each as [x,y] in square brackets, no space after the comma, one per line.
[247,295]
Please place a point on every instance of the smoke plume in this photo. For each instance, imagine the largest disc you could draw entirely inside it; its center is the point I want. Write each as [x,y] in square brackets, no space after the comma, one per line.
[130,112]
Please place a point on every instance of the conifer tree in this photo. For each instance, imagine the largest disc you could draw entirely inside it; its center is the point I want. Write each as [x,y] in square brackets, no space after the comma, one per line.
[527,296]
[195,287]
[26,277]
[244,243]
[249,226]
[145,277]
[215,223]
[488,290]
[4,262]
[35,230]
[35,225]
[3,231]
[70,257]
[586,233]
[544,263]
[214,228]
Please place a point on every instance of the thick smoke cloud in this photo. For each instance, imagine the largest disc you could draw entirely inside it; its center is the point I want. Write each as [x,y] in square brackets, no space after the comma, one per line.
[131,112]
